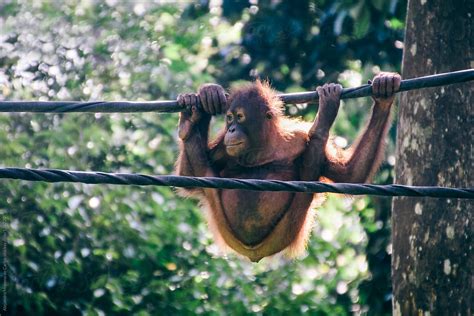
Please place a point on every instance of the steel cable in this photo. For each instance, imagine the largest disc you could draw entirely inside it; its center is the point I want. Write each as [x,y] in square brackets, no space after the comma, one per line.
[56,175]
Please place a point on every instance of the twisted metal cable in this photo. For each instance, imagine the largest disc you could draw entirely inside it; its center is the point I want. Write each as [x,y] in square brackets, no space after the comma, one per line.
[172,106]
[56,175]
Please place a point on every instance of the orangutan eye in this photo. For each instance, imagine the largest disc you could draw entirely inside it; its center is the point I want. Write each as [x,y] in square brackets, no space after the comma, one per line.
[269,116]
[240,117]
[229,117]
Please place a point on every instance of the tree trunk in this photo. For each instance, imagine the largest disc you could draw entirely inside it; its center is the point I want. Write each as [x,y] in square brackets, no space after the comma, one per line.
[432,261]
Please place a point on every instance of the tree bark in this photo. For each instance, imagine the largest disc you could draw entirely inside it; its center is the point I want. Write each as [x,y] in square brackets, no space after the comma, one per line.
[432,261]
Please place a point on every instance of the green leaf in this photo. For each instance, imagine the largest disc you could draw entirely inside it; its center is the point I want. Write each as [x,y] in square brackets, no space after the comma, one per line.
[362,24]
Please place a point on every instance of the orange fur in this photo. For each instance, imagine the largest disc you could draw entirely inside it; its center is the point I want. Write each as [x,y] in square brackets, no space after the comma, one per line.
[289,140]
[285,152]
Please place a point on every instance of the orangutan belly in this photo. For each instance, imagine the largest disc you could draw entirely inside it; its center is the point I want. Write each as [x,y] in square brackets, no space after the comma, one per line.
[252,215]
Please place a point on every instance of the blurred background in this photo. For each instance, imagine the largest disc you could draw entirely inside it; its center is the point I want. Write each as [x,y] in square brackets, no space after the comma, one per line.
[103,250]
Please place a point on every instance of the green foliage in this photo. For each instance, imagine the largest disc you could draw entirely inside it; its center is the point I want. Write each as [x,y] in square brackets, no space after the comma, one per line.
[95,250]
